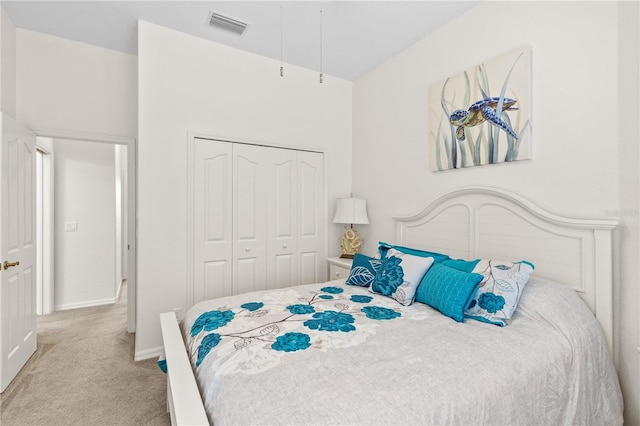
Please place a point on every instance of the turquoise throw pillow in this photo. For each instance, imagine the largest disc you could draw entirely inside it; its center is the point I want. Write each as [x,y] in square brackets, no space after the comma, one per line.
[383,248]
[448,290]
[363,270]
[461,264]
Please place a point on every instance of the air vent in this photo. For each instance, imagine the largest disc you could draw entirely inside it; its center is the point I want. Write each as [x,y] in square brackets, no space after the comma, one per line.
[218,20]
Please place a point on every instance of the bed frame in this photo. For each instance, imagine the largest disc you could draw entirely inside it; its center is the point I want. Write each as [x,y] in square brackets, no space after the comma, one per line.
[468,223]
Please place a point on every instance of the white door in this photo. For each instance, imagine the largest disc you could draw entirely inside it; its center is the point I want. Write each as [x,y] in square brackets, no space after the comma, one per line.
[249,218]
[258,218]
[311,217]
[17,251]
[282,220]
[213,221]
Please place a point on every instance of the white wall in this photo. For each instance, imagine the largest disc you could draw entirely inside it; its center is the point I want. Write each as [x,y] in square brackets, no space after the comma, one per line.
[189,84]
[85,194]
[580,113]
[8,65]
[628,233]
[71,86]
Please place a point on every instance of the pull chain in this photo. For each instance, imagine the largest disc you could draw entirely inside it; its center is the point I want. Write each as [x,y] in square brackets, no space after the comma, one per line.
[281,43]
[321,46]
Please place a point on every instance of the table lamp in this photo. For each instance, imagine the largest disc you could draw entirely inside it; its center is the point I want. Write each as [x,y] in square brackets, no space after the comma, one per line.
[351,211]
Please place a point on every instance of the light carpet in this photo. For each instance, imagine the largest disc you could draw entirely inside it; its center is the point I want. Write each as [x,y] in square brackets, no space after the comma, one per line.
[83,373]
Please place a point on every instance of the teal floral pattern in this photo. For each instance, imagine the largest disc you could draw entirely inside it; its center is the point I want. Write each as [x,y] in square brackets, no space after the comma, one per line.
[252,306]
[211,320]
[380,313]
[359,298]
[491,302]
[323,312]
[301,309]
[209,342]
[390,277]
[332,290]
[331,321]
[292,342]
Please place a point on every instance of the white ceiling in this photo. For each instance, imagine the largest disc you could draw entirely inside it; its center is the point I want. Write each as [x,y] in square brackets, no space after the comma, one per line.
[357,35]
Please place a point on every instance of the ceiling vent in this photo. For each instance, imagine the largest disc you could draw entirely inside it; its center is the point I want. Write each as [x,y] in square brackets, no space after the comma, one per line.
[218,20]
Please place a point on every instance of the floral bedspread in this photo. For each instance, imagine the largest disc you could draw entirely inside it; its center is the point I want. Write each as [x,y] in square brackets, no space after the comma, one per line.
[274,324]
[336,354]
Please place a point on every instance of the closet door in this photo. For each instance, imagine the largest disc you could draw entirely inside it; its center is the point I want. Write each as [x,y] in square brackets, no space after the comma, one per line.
[250,218]
[282,220]
[259,219]
[213,219]
[311,218]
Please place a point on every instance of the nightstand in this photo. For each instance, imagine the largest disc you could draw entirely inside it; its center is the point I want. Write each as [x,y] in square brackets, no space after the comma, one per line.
[339,268]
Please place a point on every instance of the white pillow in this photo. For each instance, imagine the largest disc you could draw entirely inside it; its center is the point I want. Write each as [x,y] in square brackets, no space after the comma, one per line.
[400,275]
[499,291]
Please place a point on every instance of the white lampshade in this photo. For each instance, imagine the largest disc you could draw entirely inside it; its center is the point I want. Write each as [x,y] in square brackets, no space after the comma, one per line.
[351,211]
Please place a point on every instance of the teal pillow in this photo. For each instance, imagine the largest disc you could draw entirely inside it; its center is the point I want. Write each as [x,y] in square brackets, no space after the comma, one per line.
[461,264]
[363,270]
[383,248]
[448,290]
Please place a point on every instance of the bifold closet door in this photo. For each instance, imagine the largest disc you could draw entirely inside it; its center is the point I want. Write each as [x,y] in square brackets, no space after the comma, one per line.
[311,218]
[213,219]
[282,218]
[258,218]
[250,186]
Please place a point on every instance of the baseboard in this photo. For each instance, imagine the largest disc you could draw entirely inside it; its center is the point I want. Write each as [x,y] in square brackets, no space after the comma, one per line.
[118,290]
[86,304]
[149,353]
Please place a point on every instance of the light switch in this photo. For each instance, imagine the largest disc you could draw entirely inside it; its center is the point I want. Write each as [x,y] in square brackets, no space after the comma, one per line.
[71,226]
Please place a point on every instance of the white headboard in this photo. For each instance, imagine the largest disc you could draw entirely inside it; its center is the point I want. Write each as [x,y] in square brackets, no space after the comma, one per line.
[473,223]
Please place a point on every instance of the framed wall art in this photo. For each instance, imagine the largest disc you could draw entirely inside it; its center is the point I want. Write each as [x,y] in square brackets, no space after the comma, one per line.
[482,115]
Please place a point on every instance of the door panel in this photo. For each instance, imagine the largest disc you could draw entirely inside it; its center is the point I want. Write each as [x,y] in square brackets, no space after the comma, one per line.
[311,216]
[282,220]
[17,217]
[250,219]
[218,282]
[213,219]
[285,270]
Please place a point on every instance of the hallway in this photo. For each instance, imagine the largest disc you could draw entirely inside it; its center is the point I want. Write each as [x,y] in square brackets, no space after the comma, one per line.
[83,373]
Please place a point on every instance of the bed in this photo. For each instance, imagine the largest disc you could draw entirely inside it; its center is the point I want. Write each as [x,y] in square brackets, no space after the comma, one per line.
[333,353]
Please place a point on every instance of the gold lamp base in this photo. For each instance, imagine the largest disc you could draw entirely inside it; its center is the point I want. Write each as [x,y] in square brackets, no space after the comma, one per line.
[350,244]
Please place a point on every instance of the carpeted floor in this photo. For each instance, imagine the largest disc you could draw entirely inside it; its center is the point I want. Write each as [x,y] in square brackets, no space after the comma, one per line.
[83,373]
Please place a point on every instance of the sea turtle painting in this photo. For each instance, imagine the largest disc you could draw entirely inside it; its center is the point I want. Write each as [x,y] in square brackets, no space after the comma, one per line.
[480,111]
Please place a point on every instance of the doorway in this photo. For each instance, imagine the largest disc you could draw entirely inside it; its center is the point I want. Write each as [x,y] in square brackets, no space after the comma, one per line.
[68,227]
[44,226]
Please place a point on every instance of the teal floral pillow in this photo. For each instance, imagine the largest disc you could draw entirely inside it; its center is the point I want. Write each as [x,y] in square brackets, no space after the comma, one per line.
[448,290]
[499,291]
[400,275]
[363,270]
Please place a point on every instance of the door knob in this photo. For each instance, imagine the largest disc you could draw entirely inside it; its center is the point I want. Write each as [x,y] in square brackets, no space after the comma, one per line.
[284,246]
[8,264]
